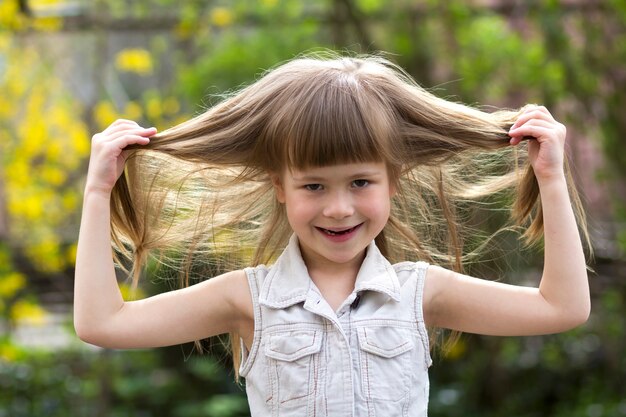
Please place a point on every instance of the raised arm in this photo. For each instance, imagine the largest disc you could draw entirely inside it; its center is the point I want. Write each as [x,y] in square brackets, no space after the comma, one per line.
[562,299]
[101,316]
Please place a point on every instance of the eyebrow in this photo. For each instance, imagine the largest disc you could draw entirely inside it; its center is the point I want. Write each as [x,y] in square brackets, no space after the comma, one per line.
[317,178]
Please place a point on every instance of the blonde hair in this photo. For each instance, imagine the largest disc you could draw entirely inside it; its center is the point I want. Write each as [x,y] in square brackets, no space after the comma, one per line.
[199,198]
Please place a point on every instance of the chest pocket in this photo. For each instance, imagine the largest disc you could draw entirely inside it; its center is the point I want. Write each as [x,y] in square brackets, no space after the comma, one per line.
[293,366]
[385,362]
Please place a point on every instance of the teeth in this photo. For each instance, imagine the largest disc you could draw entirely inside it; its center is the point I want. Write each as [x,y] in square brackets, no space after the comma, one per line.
[333,233]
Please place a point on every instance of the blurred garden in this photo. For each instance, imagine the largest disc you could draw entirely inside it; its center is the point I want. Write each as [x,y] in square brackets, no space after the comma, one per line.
[68,68]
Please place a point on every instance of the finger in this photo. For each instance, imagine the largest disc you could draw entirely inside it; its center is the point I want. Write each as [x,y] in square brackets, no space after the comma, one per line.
[145,132]
[556,129]
[537,108]
[141,131]
[535,131]
[114,130]
[544,110]
[532,115]
[518,134]
[120,123]
[536,122]
[540,113]
[516,140]
[126,140]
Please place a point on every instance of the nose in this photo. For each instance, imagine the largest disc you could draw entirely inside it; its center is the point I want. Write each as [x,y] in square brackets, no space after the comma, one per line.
[338,206]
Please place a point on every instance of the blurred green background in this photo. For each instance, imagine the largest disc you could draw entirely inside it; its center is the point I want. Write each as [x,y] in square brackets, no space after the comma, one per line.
[69,68]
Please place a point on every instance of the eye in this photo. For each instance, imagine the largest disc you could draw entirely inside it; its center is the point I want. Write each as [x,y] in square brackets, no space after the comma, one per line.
[360,183]
[313,187]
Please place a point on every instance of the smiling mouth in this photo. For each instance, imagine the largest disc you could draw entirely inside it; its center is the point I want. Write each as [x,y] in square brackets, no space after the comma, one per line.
[338,232]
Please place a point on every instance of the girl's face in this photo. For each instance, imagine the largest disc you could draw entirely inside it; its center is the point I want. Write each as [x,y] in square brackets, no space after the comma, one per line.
[336,211]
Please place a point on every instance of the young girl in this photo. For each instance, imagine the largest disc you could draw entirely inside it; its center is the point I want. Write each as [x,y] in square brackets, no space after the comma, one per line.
[362,178]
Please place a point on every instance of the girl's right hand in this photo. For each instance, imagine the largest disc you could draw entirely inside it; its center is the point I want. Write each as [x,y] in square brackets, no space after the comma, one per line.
[107,153]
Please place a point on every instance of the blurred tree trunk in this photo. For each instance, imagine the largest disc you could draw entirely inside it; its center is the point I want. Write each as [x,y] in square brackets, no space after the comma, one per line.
[345,15]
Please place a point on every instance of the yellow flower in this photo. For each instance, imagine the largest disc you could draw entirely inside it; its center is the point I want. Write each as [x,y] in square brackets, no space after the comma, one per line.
[134,60]
[456,350]
[105,114]
[129,293]
[11,284]
[17,87]
[154,108]
[79,138]
[47,24]
[221,16]
[45,254]
[10,18]
[6,109]
[55,151]
[46,9]
[70,254]
[17,172]
[26,206]
[28,311]
[60,116]
[9,352]
[33,207]
[133,111]
[69,201]
[53,175]
[188,21]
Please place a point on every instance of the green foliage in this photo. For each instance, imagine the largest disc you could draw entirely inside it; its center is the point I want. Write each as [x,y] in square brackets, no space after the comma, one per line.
[530,377]
[246,55]
[108,383]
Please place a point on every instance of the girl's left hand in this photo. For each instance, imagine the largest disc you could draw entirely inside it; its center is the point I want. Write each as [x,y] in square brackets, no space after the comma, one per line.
[546,150]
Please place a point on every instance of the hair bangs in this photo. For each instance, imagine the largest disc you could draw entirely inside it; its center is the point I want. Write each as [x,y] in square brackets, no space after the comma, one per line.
[332,120]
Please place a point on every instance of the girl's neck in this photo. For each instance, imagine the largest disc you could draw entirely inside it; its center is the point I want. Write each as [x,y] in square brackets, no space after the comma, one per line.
[335,281]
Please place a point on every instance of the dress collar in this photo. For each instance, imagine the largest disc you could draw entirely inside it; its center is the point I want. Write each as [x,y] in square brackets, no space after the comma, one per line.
[288,281]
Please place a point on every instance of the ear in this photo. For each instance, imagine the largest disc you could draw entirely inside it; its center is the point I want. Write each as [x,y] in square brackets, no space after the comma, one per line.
[278,187]
[393,190]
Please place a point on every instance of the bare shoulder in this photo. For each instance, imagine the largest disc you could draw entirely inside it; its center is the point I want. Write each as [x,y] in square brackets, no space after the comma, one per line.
[236,290]
[451,297]
[233,286]
[437,278]
[221,304]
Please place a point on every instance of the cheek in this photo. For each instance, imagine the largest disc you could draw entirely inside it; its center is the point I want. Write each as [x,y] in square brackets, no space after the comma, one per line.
[383,209]
[383,212]
[299,211]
